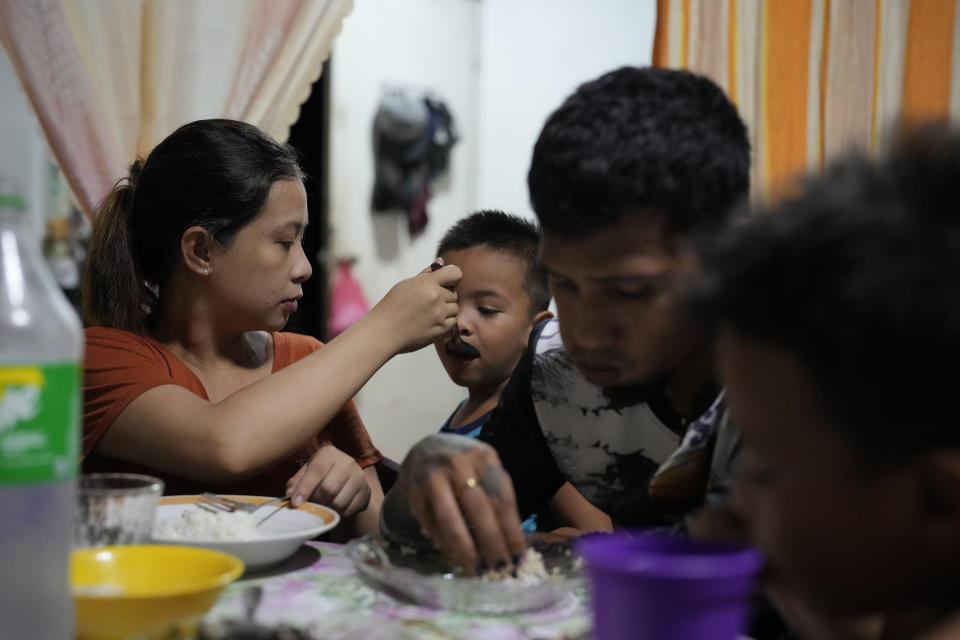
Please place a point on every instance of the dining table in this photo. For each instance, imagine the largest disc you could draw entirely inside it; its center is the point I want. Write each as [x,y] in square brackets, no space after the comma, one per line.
[319,592]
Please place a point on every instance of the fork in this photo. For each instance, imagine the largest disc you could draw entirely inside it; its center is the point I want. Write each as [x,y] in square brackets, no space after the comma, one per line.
[213,502]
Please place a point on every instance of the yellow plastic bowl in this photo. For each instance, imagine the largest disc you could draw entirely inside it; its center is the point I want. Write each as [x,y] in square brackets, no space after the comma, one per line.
[145,589]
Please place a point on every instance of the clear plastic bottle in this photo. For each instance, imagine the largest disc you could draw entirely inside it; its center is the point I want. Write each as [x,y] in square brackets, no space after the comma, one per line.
[41,345]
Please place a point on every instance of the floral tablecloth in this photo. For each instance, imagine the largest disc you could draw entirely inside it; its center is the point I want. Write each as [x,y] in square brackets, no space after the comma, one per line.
[319,590]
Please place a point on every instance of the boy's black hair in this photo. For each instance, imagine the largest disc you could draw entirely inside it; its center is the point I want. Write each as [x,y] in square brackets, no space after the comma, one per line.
[507,233]
[646,141]
[859,278]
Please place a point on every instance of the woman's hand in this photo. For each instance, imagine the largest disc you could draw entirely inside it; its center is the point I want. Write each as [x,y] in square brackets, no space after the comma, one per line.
[332,478]
[418,310]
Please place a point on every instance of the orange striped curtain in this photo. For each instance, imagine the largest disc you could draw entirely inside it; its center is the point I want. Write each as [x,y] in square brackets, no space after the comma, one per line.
[813,78]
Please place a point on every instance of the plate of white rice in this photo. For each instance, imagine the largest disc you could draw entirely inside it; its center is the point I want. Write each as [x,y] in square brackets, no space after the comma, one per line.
[179,520]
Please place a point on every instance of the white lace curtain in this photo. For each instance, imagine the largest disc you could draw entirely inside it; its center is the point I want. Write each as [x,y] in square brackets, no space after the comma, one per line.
[108,79]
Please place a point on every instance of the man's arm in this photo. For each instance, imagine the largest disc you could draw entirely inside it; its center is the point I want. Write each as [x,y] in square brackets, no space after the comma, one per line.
[577,515]
[453,491]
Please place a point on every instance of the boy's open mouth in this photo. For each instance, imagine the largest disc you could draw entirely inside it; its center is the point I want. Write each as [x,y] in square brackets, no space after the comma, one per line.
[462,349]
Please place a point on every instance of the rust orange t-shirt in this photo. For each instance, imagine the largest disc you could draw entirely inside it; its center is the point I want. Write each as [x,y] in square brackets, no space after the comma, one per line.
[119,366]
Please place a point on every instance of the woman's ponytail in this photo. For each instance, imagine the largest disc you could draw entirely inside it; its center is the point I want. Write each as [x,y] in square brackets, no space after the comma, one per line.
[113,291]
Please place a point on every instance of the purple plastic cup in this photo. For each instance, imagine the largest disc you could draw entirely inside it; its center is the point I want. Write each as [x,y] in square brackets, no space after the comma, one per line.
[666,587]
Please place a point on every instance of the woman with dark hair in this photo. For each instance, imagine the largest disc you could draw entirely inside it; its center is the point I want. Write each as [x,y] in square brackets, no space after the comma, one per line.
[195,265]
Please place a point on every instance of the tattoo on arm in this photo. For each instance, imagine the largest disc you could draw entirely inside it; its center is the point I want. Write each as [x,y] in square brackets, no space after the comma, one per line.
[492,480]
[432,453]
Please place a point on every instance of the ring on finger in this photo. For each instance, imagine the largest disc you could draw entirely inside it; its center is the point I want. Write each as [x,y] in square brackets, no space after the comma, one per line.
[469,483]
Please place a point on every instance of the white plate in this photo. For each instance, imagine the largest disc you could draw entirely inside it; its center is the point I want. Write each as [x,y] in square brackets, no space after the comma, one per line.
[282,534]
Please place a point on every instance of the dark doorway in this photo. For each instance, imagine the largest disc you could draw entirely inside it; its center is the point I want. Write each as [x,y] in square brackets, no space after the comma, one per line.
[310,136]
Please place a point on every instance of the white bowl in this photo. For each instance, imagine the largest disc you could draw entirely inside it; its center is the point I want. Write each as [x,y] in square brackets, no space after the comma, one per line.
[281,535]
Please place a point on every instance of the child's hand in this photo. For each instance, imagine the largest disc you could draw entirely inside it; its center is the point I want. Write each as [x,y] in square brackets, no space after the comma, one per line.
[331,478]
[420,309]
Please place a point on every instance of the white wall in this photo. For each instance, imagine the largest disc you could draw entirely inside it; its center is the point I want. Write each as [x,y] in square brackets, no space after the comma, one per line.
[534,53]
[502,66]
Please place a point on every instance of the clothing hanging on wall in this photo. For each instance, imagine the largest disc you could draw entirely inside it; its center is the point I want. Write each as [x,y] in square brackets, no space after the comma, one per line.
[412,138]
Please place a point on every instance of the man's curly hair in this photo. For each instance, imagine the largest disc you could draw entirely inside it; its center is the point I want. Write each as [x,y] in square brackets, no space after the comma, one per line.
[663,143]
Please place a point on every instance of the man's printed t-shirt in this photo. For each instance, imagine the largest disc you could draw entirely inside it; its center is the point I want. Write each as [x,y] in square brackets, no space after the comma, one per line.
[552,426]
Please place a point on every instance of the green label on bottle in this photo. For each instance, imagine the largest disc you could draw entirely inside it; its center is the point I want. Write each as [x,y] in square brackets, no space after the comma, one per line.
[39,419]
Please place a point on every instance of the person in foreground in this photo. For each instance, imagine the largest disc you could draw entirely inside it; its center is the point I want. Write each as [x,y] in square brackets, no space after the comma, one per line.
[195,265]
[617,395]
[840,326]
[503,293]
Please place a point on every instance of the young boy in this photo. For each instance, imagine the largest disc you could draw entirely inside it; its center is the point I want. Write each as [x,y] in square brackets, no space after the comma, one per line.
[840,331]
[502,296]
